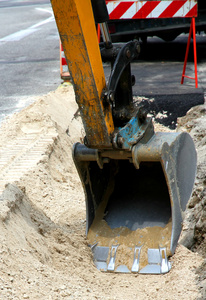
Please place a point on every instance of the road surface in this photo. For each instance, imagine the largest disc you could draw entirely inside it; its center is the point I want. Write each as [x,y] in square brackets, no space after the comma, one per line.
[29,63]
[29,53]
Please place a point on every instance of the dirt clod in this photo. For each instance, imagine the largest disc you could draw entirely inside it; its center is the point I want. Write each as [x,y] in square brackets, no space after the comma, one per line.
[44,252]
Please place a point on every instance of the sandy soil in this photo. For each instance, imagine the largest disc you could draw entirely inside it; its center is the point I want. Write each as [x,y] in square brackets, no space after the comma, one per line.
[43,247]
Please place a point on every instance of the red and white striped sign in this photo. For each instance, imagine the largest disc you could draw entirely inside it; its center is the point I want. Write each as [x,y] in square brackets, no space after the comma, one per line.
[151,9]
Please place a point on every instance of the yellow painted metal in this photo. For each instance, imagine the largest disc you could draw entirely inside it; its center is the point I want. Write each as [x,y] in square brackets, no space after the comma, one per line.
[75,22]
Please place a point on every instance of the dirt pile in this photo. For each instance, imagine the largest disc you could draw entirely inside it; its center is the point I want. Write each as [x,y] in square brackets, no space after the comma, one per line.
[44,252]
[195,123]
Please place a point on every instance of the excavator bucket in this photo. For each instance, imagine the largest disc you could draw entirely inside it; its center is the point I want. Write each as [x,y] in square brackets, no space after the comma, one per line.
[137,183]
[135,201]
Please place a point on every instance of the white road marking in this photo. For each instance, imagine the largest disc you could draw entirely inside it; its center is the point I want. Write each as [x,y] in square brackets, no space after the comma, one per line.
[17,36]
[50,19]
[45,10]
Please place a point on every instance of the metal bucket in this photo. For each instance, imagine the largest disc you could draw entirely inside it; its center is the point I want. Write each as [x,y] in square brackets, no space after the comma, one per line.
[135,201]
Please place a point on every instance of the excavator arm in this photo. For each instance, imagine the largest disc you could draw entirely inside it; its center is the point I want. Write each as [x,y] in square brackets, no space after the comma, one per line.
[137,182]
[78,35]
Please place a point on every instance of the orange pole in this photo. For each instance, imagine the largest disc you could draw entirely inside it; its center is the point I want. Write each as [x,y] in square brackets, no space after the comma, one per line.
[192,33]
[195,51]
[98,33]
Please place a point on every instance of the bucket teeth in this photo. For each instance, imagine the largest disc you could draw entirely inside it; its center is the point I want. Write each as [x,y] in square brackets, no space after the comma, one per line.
[113,253]
[135,266]
[165,265]
[157,260]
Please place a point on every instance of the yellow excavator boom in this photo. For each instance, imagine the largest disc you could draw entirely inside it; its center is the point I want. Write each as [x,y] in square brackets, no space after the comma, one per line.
[76,26]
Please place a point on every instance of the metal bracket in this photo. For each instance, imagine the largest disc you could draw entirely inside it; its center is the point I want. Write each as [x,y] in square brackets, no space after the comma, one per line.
[126,55]
[133,132]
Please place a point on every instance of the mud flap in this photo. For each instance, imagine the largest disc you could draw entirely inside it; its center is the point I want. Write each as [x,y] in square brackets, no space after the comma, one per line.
[135,201]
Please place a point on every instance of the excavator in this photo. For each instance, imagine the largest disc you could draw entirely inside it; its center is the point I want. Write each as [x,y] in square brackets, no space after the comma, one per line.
[137,182]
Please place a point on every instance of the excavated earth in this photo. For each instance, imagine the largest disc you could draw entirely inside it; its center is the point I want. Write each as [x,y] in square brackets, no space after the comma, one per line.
[44,252]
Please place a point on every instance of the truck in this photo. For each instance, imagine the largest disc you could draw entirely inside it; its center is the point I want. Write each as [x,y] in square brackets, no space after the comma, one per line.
[123,30]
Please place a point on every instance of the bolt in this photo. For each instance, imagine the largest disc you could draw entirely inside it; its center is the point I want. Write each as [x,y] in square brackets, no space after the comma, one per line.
[106,97]
[111,96]
[128,53]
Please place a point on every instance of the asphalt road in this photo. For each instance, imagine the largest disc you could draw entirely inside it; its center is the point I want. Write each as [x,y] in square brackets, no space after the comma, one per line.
[29,63]
[158,78]
[29,53]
